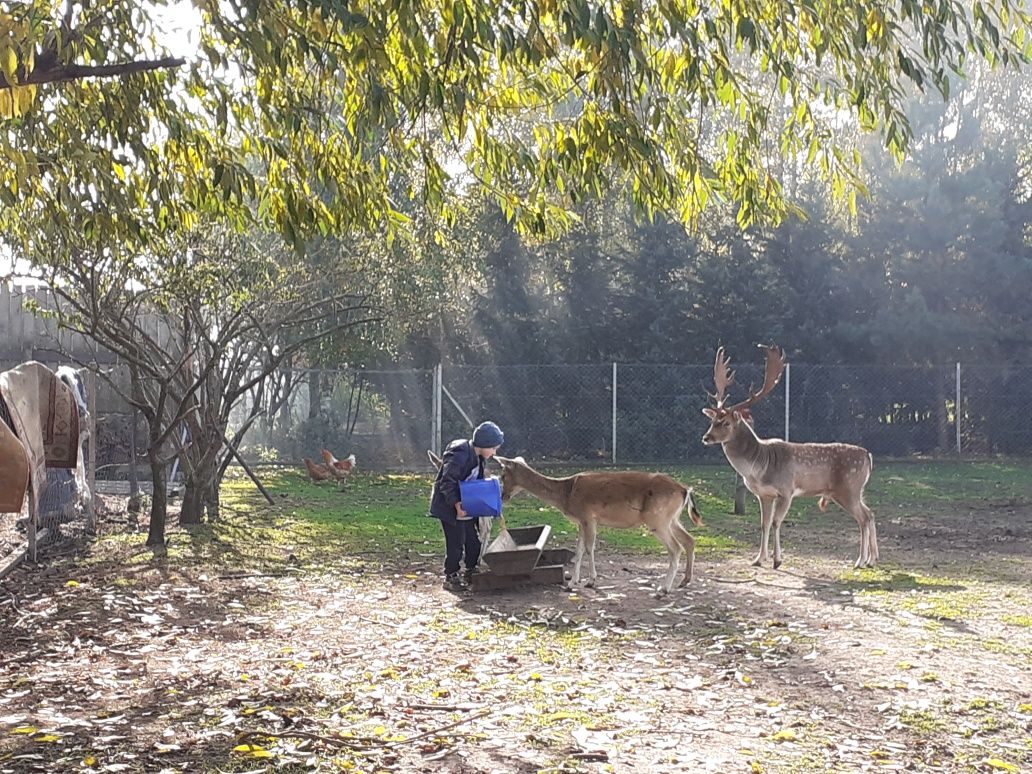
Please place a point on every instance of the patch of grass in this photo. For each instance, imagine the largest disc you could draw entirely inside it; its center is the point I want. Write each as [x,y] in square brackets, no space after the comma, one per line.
[885,579]
[921,720]
[1017,620]
[994,645]
[946,482]
[385,513]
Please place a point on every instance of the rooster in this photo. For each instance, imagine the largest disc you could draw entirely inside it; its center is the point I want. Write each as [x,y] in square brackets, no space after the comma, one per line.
[318,472]
[339,469]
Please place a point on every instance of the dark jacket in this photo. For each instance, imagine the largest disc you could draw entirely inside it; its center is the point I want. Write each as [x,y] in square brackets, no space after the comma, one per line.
[458,461]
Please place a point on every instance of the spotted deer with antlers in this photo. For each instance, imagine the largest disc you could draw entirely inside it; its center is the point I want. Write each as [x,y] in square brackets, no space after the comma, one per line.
[777,471]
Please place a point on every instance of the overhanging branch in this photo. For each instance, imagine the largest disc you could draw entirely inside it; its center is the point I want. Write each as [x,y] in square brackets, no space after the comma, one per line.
[72,72]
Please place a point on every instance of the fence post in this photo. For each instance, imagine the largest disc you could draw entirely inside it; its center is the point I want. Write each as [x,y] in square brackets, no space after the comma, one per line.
[31,527]
[788,393]
[957,411]
[91,469]
[435,410]
[614,413]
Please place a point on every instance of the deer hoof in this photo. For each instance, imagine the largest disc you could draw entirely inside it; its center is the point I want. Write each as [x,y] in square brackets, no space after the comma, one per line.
[777,563]
[589,584]
[756,562]
[684,583]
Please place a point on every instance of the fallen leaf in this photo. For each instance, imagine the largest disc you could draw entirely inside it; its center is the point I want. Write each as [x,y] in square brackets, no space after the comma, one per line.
[999,765]
[253,751]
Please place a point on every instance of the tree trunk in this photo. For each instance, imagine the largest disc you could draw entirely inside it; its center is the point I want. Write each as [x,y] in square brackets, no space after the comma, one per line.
[134,484]
[211,500]
[159,501]
[193,503]
[942,416]
[315,385]
[740,495]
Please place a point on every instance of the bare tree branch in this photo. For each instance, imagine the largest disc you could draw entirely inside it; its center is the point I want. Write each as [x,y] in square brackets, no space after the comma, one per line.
[56,72]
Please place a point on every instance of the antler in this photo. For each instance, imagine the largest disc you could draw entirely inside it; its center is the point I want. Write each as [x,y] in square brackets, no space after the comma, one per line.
[723,377]
[776,362]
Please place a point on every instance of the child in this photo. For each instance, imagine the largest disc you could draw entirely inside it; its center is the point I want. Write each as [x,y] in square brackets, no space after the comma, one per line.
[462,461]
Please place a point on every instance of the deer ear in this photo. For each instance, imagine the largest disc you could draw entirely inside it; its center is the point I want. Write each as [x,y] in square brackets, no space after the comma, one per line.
[520,460]
[709,413]
[738,416]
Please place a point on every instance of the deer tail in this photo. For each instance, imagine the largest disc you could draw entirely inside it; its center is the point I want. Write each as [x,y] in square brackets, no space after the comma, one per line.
[693,512]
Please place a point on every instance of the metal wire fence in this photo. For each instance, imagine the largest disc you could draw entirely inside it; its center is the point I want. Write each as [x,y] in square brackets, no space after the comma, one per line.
[382,417]
[641,414]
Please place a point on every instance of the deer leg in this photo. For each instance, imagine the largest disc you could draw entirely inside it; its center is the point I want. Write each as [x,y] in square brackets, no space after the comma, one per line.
[854,507]
[484,532]
[781,507]
[688,544]
[766,514]
[872,536]
[674,548]
[579,554]
[590,532]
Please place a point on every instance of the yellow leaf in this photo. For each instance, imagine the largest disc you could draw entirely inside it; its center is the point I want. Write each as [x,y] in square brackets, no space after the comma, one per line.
[46,738]
[755,767]
[89,760]
[253,751]
[24,730]
[880,754]
[535,676]
[73,584]
[787,735]
[23,97]
[9,64]
[998,765]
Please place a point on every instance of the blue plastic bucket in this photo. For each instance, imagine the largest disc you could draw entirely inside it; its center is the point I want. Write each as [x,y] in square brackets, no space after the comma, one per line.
[482,497]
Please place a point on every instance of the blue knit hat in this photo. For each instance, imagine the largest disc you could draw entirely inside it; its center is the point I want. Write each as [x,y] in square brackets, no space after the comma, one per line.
[488,435]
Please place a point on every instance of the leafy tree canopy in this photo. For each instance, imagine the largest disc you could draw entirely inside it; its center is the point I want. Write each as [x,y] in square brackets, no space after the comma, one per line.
[301,112]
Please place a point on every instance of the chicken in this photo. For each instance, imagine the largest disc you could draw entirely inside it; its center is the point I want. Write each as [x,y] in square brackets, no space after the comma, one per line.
[339,469]
[318,472]
[345,465]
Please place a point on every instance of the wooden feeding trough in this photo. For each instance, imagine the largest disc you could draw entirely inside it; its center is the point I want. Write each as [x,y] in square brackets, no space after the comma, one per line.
[519,556]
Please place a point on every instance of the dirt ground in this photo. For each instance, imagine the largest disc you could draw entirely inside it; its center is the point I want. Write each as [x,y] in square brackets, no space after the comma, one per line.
[367,664]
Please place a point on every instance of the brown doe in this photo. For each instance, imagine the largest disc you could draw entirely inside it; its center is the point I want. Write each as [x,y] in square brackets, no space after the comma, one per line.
[612,499]
[777,471]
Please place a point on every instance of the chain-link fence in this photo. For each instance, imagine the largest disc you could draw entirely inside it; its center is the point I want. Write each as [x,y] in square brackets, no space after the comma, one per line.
[570,412]
[598,414]
[642,414]
[382,417]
